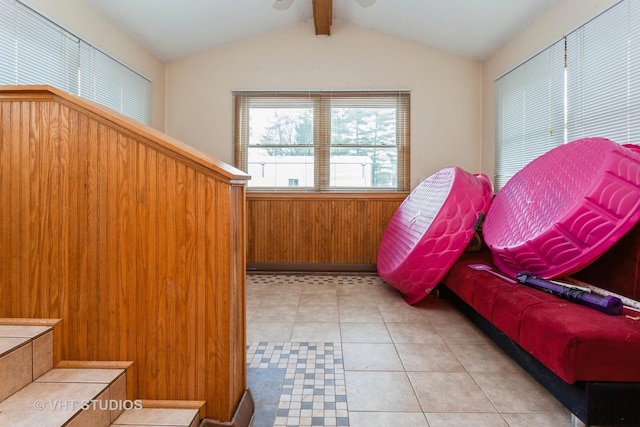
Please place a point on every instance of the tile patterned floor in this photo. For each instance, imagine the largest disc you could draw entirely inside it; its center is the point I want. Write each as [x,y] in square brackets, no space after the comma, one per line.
[338,350]
[313,389]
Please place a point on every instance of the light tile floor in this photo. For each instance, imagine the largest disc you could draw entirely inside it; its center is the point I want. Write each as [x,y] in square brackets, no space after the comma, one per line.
[341,350]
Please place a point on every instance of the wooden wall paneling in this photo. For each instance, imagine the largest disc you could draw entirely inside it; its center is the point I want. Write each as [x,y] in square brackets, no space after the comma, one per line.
[140,251]
[13,221]
[200,362]
[161,325]
[49,199]
[214,382]
[102,310]
[38,293]
[10,222]
[167,275]
[74,286]
[181,337]
[326,229]
[112,328]
[222,302]
[59,224]
[147,268]
[5,197]
[127,253]
[238,279]
[90,280]
[189,313]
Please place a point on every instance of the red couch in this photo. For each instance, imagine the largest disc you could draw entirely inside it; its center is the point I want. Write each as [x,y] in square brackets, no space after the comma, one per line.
[589,360]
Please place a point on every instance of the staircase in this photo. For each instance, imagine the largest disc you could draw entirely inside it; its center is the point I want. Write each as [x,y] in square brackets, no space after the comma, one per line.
[73,393]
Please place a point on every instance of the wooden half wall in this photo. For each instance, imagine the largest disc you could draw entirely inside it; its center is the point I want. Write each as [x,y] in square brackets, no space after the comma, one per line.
[135,240]
[338,232]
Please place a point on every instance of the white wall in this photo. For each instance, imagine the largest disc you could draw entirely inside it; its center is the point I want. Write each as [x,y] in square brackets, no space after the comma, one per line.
[445,89]
[556,22]
[85,22]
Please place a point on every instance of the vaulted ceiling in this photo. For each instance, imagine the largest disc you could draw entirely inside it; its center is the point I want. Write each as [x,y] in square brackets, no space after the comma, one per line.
[175,29]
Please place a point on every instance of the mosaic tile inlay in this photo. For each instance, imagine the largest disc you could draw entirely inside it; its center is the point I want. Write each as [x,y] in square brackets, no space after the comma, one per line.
[313,392]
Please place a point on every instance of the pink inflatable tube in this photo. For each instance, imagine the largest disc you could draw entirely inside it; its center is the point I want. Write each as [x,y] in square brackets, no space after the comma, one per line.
[565,208]
[430,230]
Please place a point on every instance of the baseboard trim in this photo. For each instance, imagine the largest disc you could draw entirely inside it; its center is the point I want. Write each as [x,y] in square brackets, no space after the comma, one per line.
[301,267]
[241,418]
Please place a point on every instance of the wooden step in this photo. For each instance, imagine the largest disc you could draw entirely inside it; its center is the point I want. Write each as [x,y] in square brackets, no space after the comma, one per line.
[175,413]
[69,397]
[26,353]
[74,393]
[158,417]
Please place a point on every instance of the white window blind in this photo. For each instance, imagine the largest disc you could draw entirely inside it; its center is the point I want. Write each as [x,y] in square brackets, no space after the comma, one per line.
[34,50]
[108,82]
[601,91]
[7,42]
[599,76]
[529,112]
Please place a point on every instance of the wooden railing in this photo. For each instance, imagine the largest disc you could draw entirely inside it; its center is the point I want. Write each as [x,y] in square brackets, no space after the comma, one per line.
[135,240]
[317,231]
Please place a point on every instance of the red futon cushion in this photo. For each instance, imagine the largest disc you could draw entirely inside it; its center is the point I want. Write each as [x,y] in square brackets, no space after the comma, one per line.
[577,343]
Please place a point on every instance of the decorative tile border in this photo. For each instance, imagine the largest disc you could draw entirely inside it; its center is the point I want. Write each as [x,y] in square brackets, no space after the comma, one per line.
[314,279]
[314,391]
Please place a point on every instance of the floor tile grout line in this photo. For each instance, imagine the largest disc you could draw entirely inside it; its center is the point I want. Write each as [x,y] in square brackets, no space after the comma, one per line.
[380,300]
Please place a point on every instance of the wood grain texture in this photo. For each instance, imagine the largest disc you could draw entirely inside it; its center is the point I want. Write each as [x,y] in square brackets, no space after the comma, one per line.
[323,229]
[322,16]
[136,244]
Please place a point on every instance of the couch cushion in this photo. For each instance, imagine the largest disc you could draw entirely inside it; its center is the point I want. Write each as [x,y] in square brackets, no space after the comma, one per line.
[582,344]
[495,299]
[575,342]
[510,306]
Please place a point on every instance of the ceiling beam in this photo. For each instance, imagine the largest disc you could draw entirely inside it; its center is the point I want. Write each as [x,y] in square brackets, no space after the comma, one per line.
[322,16]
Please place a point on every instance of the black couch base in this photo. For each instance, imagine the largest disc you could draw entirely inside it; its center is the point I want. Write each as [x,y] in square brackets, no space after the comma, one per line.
[594,403]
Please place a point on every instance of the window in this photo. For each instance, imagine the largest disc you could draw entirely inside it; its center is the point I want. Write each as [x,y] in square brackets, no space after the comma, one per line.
[585,85]
[323,141]
[34,50]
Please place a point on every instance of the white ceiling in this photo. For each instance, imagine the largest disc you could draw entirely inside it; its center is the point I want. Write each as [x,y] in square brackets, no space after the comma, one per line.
[173,29]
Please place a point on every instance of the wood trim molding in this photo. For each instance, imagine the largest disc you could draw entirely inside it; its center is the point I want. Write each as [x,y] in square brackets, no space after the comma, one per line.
[153,137]
[242,416]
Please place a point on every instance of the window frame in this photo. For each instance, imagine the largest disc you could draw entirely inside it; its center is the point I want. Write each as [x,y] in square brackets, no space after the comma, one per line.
[321,104]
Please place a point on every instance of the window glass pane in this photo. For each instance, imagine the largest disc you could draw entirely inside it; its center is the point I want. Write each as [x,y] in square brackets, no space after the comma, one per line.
[364,167]
[287,169]
[281,126]
[359,137]
[280,152]
[368,126]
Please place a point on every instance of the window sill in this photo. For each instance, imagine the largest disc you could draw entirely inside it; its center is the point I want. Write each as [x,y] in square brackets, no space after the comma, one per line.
[261,195]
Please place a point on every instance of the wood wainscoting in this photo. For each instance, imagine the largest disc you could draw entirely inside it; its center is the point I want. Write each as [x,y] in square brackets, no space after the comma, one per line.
[135,240]
[317,232]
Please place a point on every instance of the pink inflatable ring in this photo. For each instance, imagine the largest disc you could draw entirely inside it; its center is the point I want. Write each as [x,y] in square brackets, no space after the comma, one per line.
[430,230]
[565,208]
